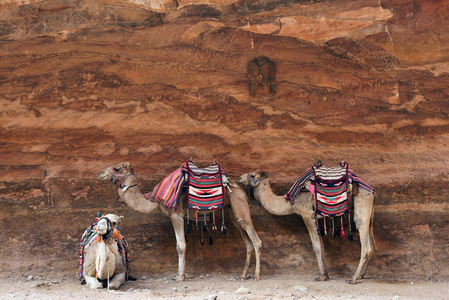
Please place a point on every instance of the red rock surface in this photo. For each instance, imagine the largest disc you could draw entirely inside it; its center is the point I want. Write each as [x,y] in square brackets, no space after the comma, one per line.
[250,84]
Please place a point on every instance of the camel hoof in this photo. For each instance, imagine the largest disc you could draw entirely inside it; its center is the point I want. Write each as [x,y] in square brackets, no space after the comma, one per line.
[322,278]
[113,288]
[352,281]
[257,277]
[179,278]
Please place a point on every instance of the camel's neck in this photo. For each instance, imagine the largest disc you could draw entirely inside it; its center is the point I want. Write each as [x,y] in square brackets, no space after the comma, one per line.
[105,259]
[136,200]
[274,204]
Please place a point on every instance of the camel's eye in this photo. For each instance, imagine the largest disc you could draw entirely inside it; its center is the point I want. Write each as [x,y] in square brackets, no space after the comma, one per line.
[114,223]
[116,169]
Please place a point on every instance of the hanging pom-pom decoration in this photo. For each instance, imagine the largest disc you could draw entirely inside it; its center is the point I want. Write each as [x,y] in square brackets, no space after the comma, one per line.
[223,227]
[342,231]
[211,242]
[325,226]
[350,237]
[116,234]
[205,229]
[334,234]
[202,236]
[188,227]
[196,220]
[214,225]
[322,227]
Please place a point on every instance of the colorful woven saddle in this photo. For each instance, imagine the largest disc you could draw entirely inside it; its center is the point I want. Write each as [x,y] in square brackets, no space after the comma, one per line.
[331,190]
[205,190]
[327,174]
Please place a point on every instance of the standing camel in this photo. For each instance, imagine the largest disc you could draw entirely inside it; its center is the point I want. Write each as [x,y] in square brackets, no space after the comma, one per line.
[303,206]
[129,192]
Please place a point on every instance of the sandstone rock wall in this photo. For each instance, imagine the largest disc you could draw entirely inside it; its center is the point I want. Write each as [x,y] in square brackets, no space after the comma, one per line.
[275,85]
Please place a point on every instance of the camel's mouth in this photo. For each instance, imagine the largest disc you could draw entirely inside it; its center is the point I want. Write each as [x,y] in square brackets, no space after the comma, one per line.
[242,180]
[102,176]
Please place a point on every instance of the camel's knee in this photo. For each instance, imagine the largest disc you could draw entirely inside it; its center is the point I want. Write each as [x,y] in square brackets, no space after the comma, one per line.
[249,248]
[242,224]
[316,248]
[181,248]
[258,244]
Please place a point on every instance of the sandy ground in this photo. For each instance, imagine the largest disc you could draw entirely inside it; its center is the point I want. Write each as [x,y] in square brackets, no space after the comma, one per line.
[219,286]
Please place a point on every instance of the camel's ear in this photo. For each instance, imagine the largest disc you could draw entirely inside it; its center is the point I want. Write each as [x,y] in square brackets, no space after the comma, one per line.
[262,173]
[120,220]
[126,165]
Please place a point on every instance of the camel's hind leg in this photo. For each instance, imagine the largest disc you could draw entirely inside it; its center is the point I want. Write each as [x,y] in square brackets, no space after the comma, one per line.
[363,216]
[318,248]
[252,243]
[372,246]
[178,224]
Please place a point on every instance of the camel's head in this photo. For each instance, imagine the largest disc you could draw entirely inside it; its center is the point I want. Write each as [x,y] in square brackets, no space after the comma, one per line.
[107,223]
[251,178]
[120,170]
[116,221]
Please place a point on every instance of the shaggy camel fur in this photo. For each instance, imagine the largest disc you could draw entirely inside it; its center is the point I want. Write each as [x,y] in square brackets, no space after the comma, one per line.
[129,192]
[102,261]
[303,206]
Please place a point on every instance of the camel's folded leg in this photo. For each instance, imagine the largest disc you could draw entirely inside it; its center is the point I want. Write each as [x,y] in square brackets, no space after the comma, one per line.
[92,282]
[117,281]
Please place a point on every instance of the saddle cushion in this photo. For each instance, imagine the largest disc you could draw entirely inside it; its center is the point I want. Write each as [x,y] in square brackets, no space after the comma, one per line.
[331,191]
[205,189]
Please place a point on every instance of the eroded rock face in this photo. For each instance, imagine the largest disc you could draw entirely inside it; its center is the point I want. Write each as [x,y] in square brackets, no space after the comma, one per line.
[272,85]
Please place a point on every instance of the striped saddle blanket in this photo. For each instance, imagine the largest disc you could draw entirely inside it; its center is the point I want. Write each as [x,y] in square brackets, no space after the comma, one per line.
[331,178]
[169,189]
[331,190]
[205,189]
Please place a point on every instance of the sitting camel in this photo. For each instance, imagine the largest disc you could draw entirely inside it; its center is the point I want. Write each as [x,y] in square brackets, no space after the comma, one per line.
[103,265]
[303,205]
[129,192]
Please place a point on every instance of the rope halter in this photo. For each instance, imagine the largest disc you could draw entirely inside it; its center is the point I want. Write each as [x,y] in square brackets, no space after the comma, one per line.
[115,177]
[252,183]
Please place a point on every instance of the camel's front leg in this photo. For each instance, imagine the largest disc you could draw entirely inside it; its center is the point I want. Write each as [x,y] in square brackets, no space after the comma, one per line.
[317,244]
[257,243]
[92,282]
[249,246]
[178,224]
